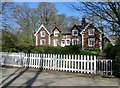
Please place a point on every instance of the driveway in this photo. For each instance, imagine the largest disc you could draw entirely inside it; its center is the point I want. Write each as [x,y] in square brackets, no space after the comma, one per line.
[35,77]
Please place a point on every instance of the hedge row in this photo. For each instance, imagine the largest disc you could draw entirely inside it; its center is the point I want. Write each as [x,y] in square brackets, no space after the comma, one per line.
[113,52]
[45,49]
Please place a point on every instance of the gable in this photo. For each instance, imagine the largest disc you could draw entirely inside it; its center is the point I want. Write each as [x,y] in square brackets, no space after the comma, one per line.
[42,27]
[75,28]
[90,26]
[56,29]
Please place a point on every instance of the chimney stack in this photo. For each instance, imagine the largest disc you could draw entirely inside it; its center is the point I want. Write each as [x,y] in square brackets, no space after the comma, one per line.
[83,21]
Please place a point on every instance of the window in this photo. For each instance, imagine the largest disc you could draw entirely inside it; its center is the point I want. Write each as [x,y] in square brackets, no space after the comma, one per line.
[42,33]
[68,42]
[42,42]
[91,32]
[75,32]
[56,33]
[63,41]
[55,42]
[74,41]
[91,41]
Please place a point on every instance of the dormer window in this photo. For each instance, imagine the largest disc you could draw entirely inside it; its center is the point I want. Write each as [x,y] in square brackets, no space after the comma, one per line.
[91,31]
[42,33]
[75,32]
[56,33]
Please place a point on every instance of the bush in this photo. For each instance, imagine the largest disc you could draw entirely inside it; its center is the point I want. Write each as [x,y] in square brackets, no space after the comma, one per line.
[108,45]
[113,52]
[37,50]
[62,50]
[117,65]
[51,49]
[93,49]
[9,49]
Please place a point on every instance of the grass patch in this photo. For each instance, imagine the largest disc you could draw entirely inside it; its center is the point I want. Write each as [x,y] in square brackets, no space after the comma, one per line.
[88,52]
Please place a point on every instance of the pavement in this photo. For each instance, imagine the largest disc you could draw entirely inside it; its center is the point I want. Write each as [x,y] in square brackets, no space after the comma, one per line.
[38,77]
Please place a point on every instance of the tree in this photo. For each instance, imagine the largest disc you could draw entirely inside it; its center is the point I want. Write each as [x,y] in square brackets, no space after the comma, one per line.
[67,21]
[47,13]
[27,21]
[9,39]
[5,12]
[62,20]
[108,11]
[71,20]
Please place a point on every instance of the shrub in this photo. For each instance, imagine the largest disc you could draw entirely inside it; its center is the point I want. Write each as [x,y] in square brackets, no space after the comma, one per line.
[93,49]
[117,65]
[9,49]
[51,49]
[113,52]
[61,50]
[108,45]
[37,50]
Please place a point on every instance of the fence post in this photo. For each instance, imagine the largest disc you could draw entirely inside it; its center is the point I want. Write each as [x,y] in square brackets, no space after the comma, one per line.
[82,64]
[87,64]
[66,62]
[72,63]
[95,64]
[78,63]
[69,62]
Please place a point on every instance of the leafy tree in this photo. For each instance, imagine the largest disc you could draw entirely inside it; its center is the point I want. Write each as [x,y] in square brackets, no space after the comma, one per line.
[9,39]
[27,21]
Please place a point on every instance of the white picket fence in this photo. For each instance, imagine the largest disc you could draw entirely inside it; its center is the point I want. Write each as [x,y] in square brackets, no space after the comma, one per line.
[70,63]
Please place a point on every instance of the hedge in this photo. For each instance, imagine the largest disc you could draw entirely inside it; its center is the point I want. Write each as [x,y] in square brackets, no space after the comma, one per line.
[45,49]
[113,52]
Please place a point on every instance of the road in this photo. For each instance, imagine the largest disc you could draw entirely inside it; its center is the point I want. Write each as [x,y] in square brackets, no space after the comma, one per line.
[35,77]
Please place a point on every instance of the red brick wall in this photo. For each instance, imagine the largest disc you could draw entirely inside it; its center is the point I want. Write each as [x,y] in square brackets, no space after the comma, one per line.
[46,37]
[96,36]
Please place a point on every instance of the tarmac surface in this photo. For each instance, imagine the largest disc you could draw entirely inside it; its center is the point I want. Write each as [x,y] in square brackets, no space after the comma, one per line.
[38,77]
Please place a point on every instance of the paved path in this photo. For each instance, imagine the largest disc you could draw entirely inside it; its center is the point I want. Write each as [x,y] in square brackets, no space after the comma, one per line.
[33,77]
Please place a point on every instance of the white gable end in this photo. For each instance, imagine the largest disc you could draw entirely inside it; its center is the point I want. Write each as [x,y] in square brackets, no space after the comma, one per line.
[40,29]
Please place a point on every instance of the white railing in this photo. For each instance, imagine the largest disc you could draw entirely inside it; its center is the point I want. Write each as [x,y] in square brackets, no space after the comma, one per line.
[70,63]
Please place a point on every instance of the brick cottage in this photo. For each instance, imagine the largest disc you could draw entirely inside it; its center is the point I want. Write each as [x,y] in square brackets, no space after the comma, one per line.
[86,35]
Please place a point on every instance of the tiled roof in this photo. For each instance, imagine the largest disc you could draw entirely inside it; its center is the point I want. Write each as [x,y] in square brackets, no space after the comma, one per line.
[67,30]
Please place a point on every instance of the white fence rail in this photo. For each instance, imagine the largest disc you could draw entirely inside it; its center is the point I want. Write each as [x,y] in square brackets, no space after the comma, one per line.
[70,63]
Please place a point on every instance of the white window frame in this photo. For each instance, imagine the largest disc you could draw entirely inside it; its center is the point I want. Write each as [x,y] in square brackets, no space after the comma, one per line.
[54,42]
[74,40]
[41,33]
[91,33]
[56,33]
[91,39]
[73,33]
[67,42]
[63,44]
[62,41]
[41,43]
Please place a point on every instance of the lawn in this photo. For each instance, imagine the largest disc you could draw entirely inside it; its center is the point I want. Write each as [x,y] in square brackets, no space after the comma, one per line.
[88,52]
